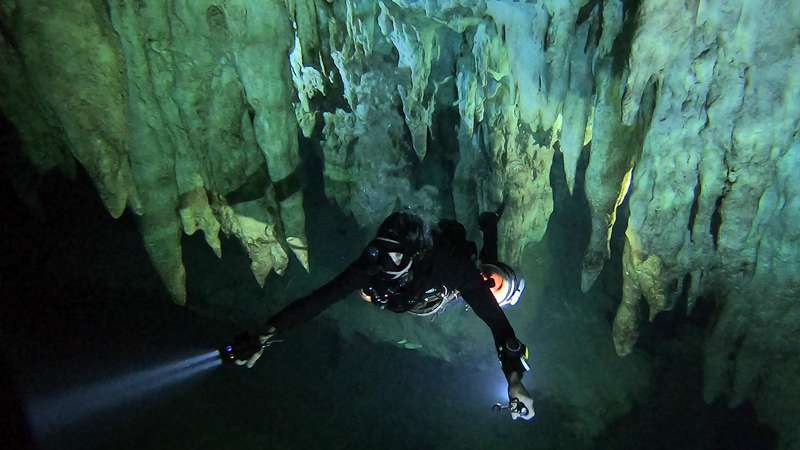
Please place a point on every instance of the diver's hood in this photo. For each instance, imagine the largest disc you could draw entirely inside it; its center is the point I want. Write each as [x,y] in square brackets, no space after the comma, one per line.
[399,240]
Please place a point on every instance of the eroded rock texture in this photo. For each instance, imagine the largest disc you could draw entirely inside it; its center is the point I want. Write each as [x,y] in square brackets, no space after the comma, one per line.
[188,113]
[181,111]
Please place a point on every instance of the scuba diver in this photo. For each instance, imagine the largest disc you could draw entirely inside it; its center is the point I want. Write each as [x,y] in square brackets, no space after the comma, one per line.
[415,268]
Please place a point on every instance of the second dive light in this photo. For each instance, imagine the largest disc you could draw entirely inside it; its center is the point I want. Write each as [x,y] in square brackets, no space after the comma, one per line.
[244,346]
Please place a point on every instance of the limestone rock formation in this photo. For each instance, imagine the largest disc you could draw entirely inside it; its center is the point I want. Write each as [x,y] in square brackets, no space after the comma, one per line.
[170,107]
[189,112]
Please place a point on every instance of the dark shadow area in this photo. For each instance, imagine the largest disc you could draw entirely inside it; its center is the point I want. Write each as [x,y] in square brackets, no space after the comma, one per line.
[14,430]
[674,414]
[570,223]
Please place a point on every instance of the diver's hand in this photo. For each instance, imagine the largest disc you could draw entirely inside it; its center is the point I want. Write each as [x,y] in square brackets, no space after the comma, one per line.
[517,391]
[490,219]
[263,338]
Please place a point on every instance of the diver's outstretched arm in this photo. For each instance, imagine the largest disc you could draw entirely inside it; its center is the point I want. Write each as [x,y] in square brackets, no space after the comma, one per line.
[510,350]
[306,308]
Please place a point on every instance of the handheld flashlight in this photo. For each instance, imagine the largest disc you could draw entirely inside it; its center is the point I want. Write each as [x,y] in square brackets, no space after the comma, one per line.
[243,347]
[514,406]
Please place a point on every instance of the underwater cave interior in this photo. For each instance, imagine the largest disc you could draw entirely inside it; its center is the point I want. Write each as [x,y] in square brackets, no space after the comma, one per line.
[174,172]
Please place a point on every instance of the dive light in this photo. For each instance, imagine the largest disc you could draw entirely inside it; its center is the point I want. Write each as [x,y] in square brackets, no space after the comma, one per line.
[514,406]
[243,347]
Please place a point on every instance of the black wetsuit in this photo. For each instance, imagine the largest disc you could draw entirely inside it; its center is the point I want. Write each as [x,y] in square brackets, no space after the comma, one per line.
[450,261]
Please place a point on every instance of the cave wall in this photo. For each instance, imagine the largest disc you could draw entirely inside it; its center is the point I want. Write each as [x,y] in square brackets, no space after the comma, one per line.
[189,114]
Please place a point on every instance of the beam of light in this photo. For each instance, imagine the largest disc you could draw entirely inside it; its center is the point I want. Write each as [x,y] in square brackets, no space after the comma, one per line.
[496,390]
[48,414]
[499,391]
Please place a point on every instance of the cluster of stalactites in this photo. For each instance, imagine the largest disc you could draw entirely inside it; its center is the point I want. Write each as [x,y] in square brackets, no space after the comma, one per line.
[188,115]
[714,199]
[181,111]
[519,99]
[708,192]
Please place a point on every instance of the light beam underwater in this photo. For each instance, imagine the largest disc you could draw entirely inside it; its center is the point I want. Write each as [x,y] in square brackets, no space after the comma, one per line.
[48,414]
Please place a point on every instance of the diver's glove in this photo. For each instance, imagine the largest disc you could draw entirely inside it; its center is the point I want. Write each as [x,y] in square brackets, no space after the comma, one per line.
[513,356]
[520,401]
[489,220]
[265,340]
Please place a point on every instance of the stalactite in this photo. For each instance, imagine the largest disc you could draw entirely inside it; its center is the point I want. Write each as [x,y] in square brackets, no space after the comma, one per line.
[88,108]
